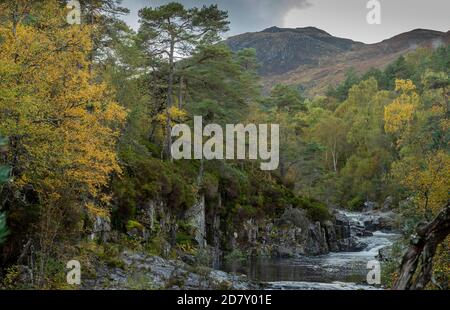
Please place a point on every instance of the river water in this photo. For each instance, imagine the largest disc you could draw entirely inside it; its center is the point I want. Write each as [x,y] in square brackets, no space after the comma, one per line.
[342,270]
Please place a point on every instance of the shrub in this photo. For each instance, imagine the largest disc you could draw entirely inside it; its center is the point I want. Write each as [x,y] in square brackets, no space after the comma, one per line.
[316,210]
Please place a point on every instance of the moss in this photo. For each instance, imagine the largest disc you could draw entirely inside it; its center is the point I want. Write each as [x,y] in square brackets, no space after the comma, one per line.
[139,282]
[135,225]
[185,234]
[236,256]
[154,247]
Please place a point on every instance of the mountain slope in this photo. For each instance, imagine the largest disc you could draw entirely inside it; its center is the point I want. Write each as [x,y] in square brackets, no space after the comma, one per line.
[315,59]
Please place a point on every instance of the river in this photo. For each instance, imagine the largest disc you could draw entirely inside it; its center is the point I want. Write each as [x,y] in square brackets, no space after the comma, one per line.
[340,270]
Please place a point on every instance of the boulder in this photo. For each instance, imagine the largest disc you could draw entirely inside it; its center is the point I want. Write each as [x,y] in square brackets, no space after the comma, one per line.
[351,244]
[380,221]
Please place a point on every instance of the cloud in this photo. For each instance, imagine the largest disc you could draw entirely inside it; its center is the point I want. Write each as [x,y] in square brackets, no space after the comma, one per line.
[245,15]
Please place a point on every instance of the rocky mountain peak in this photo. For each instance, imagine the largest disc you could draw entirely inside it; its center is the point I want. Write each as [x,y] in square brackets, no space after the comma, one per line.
[313,58]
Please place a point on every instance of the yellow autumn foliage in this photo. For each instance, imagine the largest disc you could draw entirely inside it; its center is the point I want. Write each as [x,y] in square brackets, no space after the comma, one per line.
[400,112]
[176,115]
[63,125]
[428,178]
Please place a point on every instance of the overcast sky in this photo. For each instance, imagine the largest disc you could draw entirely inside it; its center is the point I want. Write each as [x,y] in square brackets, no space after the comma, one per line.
[342,18]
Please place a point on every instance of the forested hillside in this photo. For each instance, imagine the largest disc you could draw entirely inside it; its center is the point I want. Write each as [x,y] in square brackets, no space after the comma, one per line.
[86,173]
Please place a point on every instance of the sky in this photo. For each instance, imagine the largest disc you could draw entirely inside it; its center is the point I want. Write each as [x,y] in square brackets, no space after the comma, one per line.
[342,18]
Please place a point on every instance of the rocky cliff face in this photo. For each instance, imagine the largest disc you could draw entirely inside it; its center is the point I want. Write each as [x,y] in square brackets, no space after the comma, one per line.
[315,59]
[280,50]
[294,234]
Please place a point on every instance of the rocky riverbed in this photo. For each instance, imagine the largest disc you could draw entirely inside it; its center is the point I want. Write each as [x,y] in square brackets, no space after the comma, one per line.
[345,269]
[343,247]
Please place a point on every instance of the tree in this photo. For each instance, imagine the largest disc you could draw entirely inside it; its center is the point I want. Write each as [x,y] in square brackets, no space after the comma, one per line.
[331,133]
[227,80]
[62,125]
[281,108]
[172,32]
[284,98]
[399,114]
[103,16]
[416,268]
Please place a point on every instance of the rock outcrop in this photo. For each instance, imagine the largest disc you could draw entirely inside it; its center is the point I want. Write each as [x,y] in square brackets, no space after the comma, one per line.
[142,271]
[196,218]
[295,234]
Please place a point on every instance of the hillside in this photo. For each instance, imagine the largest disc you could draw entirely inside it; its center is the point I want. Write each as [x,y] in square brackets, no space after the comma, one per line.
[315,59]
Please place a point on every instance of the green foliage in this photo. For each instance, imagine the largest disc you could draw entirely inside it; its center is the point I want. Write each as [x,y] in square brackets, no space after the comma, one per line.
[334,149]
[184,236]
[284,98]
[316,210]
[148,179]
[341,91]
[235,256]
[134,225]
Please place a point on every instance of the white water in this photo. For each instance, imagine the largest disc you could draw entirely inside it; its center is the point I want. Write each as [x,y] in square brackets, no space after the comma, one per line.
[334,271]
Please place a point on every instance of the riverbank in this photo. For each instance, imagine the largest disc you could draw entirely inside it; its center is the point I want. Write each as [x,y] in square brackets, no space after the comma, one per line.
[331,271]
[334,270]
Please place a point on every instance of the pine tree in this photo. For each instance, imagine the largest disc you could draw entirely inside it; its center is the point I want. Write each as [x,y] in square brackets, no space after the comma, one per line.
[171,32]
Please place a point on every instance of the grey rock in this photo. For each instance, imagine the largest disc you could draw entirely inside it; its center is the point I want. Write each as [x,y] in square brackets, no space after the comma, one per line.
[352,244]
[101,228]
[388,203]
[369,206]
[196,218]
[316,243]
[331,235]
[385,254]
[144,271]
[283,252]
[382,221]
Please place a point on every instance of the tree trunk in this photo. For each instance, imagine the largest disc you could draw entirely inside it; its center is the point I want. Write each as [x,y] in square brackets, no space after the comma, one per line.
[180,93]
[168,149]
[421,252]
